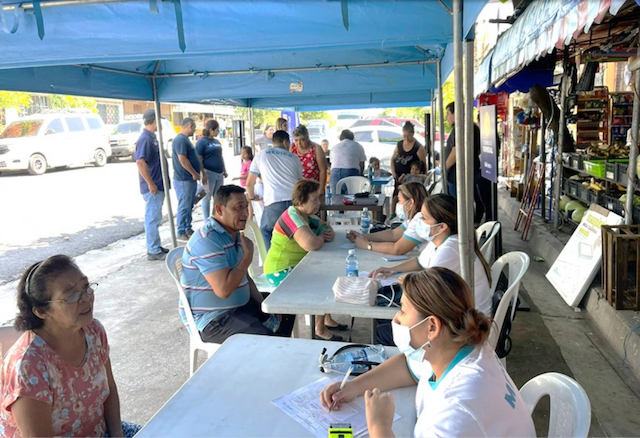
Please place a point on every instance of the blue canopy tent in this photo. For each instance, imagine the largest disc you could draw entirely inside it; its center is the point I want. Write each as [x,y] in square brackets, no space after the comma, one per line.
[346,53]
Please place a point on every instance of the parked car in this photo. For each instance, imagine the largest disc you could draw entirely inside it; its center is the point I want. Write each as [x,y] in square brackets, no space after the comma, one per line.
[380,140]
[391,121]
[123,138]
[43,141]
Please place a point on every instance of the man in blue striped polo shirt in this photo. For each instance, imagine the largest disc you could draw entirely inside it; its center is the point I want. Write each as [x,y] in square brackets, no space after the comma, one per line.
[223,298]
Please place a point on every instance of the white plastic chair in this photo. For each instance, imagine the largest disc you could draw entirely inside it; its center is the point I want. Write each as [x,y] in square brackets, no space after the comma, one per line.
[8,336]
[354,184]
[570,413]
[491,229]
[174,266]
[518,263]
[260,280]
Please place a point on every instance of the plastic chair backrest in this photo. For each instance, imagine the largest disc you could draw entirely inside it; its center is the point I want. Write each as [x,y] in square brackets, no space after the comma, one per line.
[259,239]
[174,266]
[491,229]
[570,410]
[8,336]
[518,263]
[354,184]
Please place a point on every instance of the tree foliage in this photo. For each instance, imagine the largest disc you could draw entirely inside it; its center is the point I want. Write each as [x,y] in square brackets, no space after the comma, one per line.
[305,116]
[448,95]
[14,99]
[61,102]
[261,117]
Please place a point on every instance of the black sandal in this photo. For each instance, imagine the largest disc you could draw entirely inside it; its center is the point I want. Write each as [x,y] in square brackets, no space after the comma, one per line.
[334,337]
[339,327]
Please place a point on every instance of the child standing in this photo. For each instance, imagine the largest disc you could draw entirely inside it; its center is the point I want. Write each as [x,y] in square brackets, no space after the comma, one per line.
[247,156]
[246,153]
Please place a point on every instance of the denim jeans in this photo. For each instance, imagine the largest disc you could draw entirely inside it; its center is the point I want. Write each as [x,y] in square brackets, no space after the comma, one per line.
[214,182]
[337,175]
[152,220]
[186,192]
[270,216]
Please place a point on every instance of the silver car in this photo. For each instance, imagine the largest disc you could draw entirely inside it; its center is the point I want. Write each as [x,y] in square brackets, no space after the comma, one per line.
[123,138]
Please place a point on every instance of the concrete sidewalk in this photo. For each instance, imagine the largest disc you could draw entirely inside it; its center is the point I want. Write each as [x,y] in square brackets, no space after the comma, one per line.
[137,302]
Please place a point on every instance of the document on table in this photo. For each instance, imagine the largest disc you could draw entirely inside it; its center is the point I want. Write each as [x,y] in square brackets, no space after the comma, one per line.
[304,406]
[383,281]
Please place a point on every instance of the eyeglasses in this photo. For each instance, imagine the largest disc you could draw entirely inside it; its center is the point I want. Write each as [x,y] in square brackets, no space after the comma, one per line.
[74,298]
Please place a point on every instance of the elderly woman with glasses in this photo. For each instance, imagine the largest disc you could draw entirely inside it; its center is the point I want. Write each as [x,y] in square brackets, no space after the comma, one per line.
[56,379]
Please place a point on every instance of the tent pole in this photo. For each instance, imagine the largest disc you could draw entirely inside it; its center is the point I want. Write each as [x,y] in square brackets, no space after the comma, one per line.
[633,149]
[164,166]
[433,128]
[543,160]
[458,70]
[558,174]
[469,163]
[252,134]
[443,168]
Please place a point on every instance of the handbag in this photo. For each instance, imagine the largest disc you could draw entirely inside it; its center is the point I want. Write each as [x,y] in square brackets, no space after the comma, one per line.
[356,290]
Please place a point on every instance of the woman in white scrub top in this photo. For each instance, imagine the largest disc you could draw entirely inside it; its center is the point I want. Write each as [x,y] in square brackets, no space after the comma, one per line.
[464,390]
[402,239]
[438,226]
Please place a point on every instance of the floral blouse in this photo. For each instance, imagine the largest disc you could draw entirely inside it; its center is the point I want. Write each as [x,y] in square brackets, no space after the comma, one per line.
[76,394]
[310,169]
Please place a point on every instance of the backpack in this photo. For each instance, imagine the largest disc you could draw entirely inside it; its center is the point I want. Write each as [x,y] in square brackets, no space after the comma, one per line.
[503,347]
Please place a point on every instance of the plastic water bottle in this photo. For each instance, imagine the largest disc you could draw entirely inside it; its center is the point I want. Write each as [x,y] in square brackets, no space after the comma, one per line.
[341,362]
[328,196]
[365,221]
[352,264]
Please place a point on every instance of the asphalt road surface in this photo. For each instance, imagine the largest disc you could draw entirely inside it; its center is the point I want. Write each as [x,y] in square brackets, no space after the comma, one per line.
[72,211]
[68,211]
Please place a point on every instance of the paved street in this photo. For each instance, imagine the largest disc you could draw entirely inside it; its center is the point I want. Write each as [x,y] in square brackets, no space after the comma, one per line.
[70,211]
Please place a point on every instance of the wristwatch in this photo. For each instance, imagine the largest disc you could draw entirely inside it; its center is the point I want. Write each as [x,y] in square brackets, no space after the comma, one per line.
[370,246]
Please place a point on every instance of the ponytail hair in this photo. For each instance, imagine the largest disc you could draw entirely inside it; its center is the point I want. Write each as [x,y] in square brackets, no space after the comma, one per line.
[442,293]
[443,208]
[34,291]
[210,126]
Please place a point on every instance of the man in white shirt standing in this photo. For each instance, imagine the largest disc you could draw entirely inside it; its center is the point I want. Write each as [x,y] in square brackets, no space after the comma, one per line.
[279,170]
[347,159]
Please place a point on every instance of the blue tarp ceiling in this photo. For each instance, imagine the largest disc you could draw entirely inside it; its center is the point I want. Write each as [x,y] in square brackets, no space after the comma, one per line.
[245,52]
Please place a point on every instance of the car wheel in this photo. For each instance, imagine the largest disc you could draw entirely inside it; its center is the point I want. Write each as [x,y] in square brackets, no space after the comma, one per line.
[37,164]
[100,158]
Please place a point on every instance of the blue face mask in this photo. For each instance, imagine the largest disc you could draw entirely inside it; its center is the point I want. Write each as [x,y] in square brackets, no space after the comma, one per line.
[424,230]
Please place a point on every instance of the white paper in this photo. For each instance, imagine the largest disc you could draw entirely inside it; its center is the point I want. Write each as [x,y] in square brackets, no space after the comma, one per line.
[383,281]
[304,406]
[347,246]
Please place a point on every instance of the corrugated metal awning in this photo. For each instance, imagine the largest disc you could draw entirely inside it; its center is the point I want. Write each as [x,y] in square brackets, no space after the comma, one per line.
[545,25]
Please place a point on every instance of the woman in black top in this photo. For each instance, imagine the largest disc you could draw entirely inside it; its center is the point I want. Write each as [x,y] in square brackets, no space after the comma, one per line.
[407,150]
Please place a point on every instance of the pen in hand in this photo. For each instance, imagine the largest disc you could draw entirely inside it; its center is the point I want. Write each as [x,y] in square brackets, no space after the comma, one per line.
[344,382]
